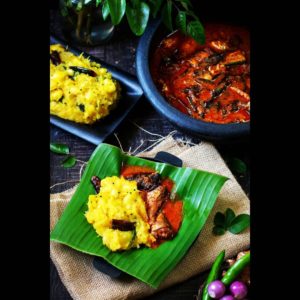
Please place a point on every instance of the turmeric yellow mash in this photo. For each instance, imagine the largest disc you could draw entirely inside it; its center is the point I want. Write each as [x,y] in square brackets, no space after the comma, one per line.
[80,90]
[119,201]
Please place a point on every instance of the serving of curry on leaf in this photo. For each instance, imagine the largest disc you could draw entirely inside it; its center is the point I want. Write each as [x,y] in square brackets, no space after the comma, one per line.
[138,208]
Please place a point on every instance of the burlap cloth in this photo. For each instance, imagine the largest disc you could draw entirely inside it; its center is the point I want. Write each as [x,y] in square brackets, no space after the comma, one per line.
[85,283]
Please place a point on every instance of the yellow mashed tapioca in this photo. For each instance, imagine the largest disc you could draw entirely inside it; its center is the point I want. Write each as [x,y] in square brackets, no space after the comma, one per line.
[119,199]
[80,90]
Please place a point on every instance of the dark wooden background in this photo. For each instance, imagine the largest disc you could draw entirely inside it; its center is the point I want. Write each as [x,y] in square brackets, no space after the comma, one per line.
[120,52]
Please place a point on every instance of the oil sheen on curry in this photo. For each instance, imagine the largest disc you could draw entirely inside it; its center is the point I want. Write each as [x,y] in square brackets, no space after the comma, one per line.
[209,82]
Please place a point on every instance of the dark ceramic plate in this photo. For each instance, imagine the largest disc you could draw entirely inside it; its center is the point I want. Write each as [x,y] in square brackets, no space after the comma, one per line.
[96,133]
[210,131]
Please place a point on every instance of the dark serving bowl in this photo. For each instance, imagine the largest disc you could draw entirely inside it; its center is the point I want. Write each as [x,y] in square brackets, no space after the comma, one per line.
[154,33]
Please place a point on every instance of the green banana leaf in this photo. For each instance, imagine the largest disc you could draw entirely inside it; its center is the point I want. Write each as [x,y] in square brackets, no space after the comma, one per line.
[197,189]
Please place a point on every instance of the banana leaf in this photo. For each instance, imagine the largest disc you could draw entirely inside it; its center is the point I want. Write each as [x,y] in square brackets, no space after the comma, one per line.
[197,189]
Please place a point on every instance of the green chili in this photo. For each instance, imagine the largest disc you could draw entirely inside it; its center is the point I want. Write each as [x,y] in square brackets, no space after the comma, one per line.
[213,274]
[234,271]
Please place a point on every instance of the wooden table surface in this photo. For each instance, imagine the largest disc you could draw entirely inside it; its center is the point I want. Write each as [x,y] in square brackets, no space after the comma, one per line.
[120,52]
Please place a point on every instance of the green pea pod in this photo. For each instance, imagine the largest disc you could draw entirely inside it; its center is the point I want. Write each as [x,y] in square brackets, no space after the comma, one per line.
[213,274]
[234,271]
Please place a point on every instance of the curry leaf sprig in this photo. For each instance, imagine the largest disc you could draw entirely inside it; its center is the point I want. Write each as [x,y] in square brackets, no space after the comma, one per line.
[59,148]
[229,221]
[175,14]
[70,160]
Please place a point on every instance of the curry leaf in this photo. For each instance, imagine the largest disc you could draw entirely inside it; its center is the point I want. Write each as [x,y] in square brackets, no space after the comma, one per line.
[105,10]
[181,21]
[217,230]
[167,15]
[237,165]
[117,10]
[219,219]
[69,161]
[239,224]
[138,17]
[229,217]
[230,222]
[196,31]
[59,148]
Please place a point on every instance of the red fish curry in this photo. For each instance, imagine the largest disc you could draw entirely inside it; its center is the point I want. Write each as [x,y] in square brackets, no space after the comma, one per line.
[209,82]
